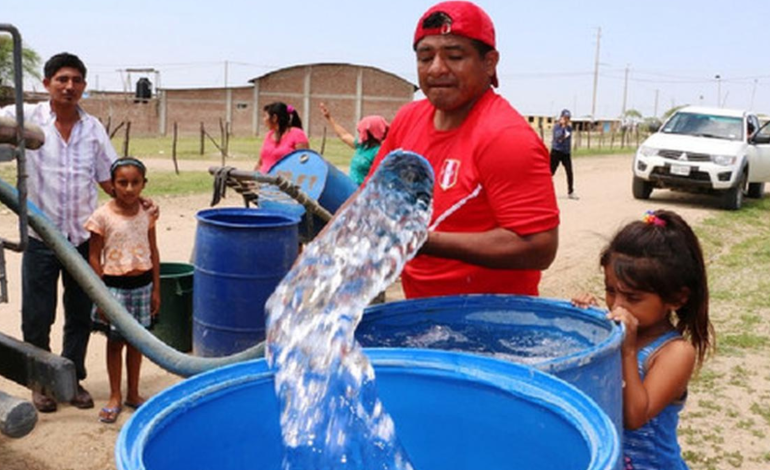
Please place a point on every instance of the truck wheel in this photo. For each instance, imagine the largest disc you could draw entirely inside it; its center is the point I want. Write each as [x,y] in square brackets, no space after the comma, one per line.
[756,190]
[732,199]
[641,188]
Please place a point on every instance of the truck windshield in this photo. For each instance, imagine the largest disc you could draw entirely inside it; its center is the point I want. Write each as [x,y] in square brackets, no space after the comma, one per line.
[705,125]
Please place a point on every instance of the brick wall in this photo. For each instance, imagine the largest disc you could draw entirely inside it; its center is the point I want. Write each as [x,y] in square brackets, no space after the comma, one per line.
[350,92]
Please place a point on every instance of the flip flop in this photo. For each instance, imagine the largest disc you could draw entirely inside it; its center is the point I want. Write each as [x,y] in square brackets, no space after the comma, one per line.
[132,405]
[109,415]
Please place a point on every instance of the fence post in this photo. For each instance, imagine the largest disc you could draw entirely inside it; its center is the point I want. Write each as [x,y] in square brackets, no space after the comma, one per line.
[128,138]
[173,149]
[203,139]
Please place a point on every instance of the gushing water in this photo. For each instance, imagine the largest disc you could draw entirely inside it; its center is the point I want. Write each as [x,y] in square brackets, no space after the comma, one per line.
[331,416]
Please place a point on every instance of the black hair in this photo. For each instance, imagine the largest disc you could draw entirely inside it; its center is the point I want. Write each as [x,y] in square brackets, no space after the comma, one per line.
[61,60]
[128,161]
[286,119]
[438,19]
[371,141]
[662,255]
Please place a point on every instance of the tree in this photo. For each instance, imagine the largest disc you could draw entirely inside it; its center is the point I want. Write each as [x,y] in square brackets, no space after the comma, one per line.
[30,61]
[633,114]
[671,111]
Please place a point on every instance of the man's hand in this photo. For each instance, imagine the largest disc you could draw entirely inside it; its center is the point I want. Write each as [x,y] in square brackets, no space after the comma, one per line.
[150,207]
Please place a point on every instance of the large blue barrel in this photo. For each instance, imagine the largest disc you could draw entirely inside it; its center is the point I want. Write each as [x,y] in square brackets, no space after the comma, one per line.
[579,346]
[240,257]
[452,411]
[317,178]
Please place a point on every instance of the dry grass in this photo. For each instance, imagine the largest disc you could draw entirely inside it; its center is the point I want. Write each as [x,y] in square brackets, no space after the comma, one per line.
[726,423]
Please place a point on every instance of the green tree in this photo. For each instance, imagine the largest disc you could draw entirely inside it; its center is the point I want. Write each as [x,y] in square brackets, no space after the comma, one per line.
[633,114]
[671,111]
[30,61]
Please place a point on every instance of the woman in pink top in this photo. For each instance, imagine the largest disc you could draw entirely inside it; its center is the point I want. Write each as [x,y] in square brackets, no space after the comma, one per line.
[285,134]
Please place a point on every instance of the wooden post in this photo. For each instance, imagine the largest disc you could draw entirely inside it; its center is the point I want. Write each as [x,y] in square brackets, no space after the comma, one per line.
[601,137]
[588,141]
[173,149]
[127,140]
[203,139]
[222,138]
[612,137]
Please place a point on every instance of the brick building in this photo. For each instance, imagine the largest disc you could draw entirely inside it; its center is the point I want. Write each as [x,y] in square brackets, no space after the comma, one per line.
[350,92]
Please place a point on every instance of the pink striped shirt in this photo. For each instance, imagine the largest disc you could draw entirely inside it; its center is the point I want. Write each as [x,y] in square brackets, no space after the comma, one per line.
[63,175]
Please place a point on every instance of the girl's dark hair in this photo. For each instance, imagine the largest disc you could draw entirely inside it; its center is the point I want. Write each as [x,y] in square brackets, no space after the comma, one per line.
[287,116]
[371,141]
[662,255]
[128,161]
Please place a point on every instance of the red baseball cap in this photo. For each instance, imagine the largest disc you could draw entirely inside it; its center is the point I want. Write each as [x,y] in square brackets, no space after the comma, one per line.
[465,19]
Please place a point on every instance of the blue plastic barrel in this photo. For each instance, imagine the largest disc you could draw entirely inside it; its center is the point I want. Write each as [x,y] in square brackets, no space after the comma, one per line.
[317,178]
[240,257]
[579,346]
[452,411]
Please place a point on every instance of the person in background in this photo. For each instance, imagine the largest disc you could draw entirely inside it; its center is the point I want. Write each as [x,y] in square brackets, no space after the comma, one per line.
[63,175]
[372,130]
[561,150]
[284,136]
[495,220]
[656,285]
[124,253]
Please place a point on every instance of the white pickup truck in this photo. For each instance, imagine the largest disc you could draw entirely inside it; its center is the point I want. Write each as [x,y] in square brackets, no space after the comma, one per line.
[713,150]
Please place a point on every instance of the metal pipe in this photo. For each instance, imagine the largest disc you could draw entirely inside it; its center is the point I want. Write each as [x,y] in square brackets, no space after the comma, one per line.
[156,350]
[21,161]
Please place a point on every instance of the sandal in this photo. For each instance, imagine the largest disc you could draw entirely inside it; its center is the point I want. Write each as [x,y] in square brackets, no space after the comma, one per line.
[133,405]
[109,415]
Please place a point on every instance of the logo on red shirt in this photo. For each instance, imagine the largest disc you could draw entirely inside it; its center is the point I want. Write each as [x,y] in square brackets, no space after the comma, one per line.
[450,170]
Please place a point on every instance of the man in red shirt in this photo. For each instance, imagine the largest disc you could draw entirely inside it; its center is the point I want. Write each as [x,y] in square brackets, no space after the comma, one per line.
[495,219]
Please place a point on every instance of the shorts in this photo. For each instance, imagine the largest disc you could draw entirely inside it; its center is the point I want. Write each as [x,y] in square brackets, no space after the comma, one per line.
[138,303]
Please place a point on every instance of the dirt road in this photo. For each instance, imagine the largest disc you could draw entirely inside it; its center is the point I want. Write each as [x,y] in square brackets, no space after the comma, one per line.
[72,439]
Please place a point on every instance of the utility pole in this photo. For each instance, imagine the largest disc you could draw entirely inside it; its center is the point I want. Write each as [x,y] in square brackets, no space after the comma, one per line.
[753,92]
[625,92]
[656,103]
[225,74]
[719,90]
[596,72]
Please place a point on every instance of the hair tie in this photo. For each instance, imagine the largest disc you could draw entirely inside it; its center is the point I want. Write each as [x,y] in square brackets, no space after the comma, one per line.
[650,218]
[290,109]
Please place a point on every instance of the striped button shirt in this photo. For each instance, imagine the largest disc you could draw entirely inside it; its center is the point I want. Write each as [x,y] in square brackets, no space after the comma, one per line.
[63,176]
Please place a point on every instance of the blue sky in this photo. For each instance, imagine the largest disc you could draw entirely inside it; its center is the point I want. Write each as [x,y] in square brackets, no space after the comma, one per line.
[673,49]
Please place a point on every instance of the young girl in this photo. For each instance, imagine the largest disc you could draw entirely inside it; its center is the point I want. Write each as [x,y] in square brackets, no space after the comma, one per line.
[284,136]
[124,252]
[655,284]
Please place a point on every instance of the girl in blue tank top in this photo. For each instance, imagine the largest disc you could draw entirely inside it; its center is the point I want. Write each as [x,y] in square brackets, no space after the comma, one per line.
[655,284]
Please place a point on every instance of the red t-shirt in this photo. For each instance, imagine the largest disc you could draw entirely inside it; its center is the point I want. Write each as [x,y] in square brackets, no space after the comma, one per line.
[495,155]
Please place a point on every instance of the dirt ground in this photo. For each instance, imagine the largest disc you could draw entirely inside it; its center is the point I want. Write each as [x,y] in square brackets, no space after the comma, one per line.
[73,439]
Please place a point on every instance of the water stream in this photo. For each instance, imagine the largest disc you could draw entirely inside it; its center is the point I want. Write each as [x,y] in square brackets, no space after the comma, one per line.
[331,416]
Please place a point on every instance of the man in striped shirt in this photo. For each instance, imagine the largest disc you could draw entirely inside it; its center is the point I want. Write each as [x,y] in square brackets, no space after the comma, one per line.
[77,153]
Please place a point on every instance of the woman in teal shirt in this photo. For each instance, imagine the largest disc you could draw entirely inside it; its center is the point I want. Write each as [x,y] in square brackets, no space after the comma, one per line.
[372,130]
